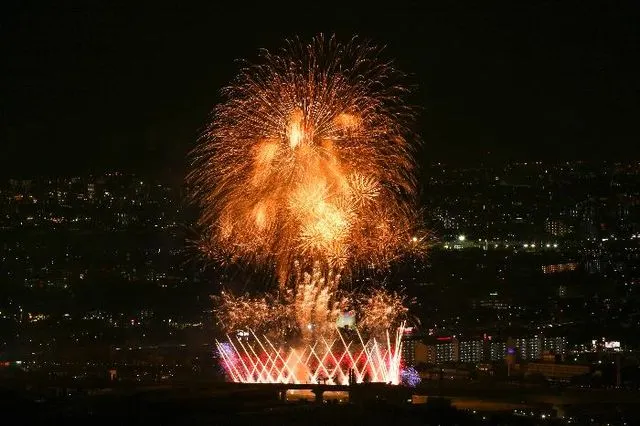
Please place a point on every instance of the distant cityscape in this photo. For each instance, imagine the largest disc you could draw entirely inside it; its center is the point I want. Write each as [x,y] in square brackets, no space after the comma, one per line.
[533,274]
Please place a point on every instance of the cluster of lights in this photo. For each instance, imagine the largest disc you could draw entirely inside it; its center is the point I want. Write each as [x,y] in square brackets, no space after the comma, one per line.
[463,238]
[524,413]
[533,245]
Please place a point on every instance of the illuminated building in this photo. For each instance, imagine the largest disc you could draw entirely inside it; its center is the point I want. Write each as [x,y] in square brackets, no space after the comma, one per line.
[593,260]
[471,351]
[555,345]
[559,267]
[604,345]
[447,349]
[408,352]
[497,351]
[413,350]
[529,348]
[556,227]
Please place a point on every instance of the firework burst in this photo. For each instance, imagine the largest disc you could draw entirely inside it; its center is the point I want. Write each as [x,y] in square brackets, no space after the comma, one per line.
[307,167]
[266,315]
[308,160]
[380,310]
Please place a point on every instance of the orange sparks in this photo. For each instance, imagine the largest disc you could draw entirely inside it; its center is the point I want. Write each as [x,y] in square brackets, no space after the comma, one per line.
[309,152]
[307,167]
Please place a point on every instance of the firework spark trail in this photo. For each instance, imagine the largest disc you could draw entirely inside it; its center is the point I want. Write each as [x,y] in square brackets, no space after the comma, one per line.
[324,362]
[378,310]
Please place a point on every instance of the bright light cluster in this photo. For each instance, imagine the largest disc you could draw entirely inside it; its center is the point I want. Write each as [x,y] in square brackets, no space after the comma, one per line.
[249,359]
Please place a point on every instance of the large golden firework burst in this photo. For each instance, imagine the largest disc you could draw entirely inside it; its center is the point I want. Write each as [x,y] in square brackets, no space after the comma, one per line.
[309,159]
[307,167]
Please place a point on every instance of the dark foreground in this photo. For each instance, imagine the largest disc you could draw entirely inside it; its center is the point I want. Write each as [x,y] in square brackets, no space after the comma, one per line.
[237,405]
[154,410]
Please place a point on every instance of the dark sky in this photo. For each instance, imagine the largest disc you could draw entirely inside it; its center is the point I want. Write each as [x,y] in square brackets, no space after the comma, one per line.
[93,85]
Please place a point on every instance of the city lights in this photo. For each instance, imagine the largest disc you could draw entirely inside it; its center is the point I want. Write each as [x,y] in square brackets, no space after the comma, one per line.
[434,219]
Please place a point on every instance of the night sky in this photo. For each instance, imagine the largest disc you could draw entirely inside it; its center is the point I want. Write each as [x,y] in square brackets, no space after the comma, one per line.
[89,86]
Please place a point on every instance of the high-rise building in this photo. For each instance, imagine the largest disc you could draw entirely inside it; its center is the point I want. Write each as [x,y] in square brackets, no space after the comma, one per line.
[429,352]
[414,349]
[593,260]
[409,346]
[588,221]
[408,352]
[555,345]
[447,349]
[472,351]
[529,348]
[497,351]
[556,227]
